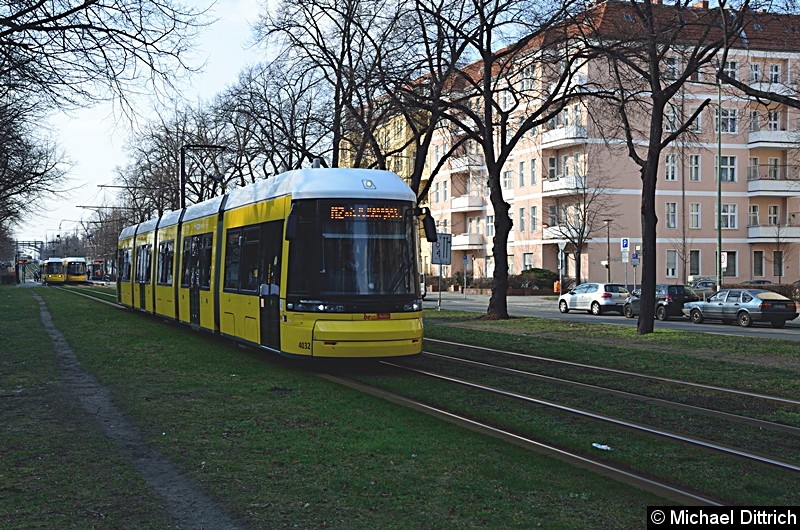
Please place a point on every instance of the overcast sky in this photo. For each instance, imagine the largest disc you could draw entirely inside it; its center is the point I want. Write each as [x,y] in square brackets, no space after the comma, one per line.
[93,138]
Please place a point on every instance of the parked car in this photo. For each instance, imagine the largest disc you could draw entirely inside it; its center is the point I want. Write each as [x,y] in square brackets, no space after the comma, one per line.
[669,301]
[704,288]
[743,306]
[596,298]
[757,282]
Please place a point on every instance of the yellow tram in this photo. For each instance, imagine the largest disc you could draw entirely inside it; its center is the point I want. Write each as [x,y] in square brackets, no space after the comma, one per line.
[53,271]
[312,262]
[75,270]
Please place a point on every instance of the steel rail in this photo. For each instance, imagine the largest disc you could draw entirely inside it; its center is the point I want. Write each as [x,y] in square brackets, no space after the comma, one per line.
[659,488]
[608,419]
[639,397]
[625,372]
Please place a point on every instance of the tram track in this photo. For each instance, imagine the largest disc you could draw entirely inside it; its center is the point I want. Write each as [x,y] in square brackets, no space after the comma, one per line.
[660,488]
[669,486]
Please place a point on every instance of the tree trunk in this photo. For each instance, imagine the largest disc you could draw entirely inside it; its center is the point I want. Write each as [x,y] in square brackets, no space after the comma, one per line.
[649,221]
[498,302]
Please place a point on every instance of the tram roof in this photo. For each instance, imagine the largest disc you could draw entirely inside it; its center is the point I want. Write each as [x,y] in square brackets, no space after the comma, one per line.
[308,183]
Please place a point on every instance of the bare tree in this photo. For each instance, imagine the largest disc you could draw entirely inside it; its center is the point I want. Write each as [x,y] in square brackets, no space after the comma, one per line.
[66,52]
[652,51]
[783,250]
[507,92]
[31,167]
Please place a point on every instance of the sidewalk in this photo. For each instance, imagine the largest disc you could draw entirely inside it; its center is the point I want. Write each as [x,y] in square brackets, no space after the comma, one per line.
[531,300]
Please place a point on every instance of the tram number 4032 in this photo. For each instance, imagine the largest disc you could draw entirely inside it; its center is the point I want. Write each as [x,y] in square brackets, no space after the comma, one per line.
[304,345]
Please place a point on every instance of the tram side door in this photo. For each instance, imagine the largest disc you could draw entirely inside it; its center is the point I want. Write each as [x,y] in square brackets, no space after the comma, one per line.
[269,290]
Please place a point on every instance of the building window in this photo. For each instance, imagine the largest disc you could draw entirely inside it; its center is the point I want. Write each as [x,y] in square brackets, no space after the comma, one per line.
[671,68]
[672,264]
[773,169]
[522,219]
[552,215]
[729,120]
[528,77]
[671,167]
[534,217]
[758,263]
[444,190]
[672,215]
[435,192]
[773,120]
[533,171]
[730,269]
[521,174]
[777,263]
[527,261]
[490,225]
[565,166]
[752,216]
[694,215]
[755,73]
[728,216]
[755,121]
[670,118]
[774,73]
[773,214]
[694,168]
[696,125]
[694,262]
[728,170]
[732,69]
[752,169]
[508,177]
[552,168]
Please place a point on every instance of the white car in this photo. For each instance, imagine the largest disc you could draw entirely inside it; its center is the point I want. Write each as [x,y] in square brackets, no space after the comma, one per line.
[596,298]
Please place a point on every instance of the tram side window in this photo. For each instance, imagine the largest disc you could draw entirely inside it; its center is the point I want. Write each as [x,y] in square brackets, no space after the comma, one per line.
[249,263]
[143,263]
[166,260]
[197,261]
[232,251]
[125,264]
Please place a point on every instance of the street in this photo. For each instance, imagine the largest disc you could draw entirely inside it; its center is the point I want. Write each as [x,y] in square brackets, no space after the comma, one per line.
[546,307]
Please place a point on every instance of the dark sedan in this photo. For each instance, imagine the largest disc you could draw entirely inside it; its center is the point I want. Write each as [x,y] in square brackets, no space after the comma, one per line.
[743,306]
[670,299]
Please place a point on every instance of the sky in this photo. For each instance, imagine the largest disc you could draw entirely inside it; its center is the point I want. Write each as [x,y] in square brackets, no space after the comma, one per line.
[94,138]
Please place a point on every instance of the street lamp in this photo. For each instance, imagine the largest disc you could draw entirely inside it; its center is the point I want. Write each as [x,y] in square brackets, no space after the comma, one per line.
[608,248]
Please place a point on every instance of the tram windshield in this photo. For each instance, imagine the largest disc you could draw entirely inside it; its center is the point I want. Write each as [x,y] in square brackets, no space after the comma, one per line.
[54,267]
[346,248]
[77,268]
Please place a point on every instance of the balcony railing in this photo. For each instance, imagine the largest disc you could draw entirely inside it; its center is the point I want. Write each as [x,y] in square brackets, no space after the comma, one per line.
[465,203]
[788,233]
[773,179]
[763,137]
[467,241]
[563,136]
[564,183]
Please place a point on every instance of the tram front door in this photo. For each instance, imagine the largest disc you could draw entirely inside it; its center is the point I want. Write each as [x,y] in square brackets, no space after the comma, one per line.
[269,291]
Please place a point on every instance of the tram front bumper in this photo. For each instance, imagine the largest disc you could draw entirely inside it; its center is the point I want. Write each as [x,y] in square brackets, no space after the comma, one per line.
[366,338]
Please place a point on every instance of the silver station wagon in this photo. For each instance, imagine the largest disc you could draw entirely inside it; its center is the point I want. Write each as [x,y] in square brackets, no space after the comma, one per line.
[743,306]
[597,298]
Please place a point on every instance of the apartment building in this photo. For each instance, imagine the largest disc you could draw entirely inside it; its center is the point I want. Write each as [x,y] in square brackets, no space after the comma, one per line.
[570,172]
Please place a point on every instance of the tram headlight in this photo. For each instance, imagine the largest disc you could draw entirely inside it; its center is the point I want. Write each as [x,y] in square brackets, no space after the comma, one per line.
[415,305]
[316,306]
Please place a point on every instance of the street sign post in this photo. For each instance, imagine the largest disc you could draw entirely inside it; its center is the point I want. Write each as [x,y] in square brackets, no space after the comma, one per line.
[440,254]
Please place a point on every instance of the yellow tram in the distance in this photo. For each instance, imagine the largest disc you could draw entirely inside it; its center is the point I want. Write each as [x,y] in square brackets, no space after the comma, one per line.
[318,262]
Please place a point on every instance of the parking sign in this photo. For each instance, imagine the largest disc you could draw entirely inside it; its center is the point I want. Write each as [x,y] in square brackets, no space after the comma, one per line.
[623,244]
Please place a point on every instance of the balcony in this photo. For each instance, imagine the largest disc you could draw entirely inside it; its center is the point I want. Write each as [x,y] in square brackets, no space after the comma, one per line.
[773,234]
[779,88]
[467,242]
[564,185]
[559,232]
[462,163]
[564,136]
[773,181]
[467,203]
[765,138]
